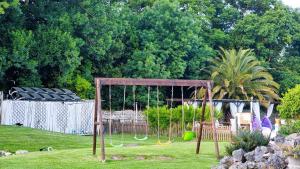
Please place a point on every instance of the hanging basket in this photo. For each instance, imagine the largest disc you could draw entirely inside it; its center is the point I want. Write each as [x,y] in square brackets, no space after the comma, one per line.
[189,135]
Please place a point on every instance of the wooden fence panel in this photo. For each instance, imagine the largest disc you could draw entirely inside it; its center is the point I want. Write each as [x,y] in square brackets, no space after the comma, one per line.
[223,131]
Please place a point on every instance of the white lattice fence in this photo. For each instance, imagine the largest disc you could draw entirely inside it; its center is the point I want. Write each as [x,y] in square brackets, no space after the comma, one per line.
[65,117]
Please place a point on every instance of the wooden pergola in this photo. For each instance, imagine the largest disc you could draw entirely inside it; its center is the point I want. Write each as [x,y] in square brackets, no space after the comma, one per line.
[98,114]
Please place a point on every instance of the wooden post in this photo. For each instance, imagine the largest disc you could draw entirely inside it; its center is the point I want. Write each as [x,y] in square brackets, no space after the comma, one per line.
[95,119]
[201,123]
[1,103]
[212,114]
[99,112]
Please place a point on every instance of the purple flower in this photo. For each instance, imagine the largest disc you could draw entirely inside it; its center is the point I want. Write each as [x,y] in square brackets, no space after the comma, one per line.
[256,123]
[265,122]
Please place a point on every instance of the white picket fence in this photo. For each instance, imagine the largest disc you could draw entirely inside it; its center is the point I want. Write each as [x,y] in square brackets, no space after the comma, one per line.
[64,117]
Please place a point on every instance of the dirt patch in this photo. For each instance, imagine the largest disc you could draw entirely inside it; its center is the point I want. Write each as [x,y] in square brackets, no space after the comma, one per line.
[131,145]
[117,157]
[140,157]
[164,157]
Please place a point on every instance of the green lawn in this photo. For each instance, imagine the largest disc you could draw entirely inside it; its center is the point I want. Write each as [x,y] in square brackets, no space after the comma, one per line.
[75,152]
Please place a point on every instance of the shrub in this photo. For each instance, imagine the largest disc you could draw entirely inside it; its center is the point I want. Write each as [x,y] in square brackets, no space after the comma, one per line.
[165,111]
[293,127]
[247,140]
[164,114]
[290,104]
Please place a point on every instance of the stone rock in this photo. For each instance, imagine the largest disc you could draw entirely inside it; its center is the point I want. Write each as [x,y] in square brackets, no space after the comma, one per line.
[277,162]
[262,165]
[266,156]
[238,155]
[297,142]
[279,139]
[21,152]
[238,165]
[259,153]
[292,140]
[249,156]
[226,161]
[8,153]
[250,164]
[46,149]
[222,166]
[272,147]
[292,136]
[293,163]
[4,153]
[280,154]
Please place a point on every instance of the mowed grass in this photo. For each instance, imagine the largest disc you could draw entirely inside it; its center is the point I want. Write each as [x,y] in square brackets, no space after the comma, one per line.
[72,151]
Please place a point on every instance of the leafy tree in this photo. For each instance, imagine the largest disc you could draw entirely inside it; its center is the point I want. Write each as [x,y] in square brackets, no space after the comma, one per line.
[287,73]
[20,68]
[252,6]
[289,107]
[52,43]
[268,35]
[239,75]
[167,41]
[57,53]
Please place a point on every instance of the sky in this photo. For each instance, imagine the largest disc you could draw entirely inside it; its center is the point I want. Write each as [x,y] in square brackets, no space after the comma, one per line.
[292,3]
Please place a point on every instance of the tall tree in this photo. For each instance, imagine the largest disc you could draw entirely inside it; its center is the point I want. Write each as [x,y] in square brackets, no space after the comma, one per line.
[167,42]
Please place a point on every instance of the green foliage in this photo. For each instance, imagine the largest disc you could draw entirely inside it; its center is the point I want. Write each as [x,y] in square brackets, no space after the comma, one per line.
[287,73]
[247,140]
[58,55]
[239,75]
[275,27]
[4,4]
[289,107]
[279,28]
[47,43]
[82,86]
[166,40]
[165,112]
[292,127]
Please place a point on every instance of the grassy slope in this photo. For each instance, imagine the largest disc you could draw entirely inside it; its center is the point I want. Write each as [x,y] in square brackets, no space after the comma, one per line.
[75,152]
[14,138]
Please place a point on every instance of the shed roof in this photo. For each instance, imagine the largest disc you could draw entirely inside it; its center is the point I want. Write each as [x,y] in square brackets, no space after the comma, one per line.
[42,94]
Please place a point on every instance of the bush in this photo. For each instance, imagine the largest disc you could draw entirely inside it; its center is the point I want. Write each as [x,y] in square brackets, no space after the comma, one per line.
[247,141]
[165,111]
[290,104]
[293,127]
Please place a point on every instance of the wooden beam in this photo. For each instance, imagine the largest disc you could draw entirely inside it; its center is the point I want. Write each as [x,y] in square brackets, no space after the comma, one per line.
[212,115]
[152,82]
[201,122]
[95,119]
[99,112]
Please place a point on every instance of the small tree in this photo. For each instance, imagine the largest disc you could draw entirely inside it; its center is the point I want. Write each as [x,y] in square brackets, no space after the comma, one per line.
[238,74]
[290,104]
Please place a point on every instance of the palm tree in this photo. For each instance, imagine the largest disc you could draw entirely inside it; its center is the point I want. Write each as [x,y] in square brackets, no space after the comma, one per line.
[239,75]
